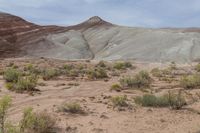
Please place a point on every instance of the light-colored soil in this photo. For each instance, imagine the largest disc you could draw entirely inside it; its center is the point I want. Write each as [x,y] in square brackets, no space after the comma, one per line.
[100,116]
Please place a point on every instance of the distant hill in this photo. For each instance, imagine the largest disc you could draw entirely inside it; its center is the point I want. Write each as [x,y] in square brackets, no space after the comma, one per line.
[97,39]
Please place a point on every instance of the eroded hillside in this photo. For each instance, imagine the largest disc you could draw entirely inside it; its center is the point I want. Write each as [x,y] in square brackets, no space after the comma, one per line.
[97,39]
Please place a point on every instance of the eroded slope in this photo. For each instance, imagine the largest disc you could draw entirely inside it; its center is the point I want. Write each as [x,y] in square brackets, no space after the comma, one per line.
[97,39]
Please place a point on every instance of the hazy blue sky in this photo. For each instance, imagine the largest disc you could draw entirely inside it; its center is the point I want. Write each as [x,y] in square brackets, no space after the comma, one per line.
[145,13]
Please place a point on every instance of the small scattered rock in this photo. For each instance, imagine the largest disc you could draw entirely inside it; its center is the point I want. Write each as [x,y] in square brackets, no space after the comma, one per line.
[70,129]
[66,88]
[60,84]
[91,123]
[162,120]
[104,116]
[149,110]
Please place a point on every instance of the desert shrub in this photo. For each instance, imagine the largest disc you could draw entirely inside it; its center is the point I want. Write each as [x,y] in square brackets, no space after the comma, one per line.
[98,73]
[5,103]
[173,66]
[165,74]
[11,75]
[190,82]
[149,100]
[28,67]
[101,64]
[166,71]
[156,72]
[197,67]
[127,82]
[36,122]
[73,84]
[141,80]
[122,65]
[81,66]
[167,79]
[27,120]
[115,73]
[26,83]
[10,128]
[42,84]
[68,67]
[175,101]
[1,72]
[74,108]
[10,85]
[49,74]
[31,69]
[118,66]
[119,101]
[73,73]
[115,87]
[11,64]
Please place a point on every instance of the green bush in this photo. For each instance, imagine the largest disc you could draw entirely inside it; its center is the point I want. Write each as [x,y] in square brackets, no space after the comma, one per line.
[73,73]
[11,64]
[1,72]
[26,83]
[166,71]
[152,101]
[50,74]
[141,80]
[28,67]
[10,85]
[190,82]
[101,64]
[156,72]
[128,82]
[74,108]
[73,84]
[175,101]
[197,67]
[98,73]
[81,67]
[11,75]
[36,122]
[119,101]
[116,87]
[5,103]
[173,66]
[122,65]
[68,67]
[31,69]
[31,122]
[10,128]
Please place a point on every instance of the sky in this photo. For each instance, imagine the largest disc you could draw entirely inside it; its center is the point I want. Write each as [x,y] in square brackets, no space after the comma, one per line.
[136,13]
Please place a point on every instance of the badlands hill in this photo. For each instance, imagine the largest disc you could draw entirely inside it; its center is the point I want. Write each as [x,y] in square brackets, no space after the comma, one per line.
[97,39]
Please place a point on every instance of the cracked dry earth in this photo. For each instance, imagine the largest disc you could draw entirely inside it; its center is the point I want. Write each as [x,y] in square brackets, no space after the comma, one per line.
[94,97]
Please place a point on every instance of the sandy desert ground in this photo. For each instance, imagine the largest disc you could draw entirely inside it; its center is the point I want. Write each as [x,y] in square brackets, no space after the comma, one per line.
[94,97]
